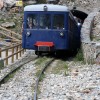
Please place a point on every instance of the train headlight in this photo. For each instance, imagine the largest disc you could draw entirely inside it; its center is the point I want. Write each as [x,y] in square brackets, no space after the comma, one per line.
[28,33]
[61,34]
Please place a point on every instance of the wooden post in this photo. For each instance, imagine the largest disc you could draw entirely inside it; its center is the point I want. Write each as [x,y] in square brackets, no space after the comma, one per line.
[17,53]
[7,56]
[20,51]
[12,55]
[23,51]
[11,34]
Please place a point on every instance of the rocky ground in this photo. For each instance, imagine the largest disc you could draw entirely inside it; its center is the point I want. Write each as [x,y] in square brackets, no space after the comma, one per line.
[12,21]
[81,83]
[20,84]
[19,87]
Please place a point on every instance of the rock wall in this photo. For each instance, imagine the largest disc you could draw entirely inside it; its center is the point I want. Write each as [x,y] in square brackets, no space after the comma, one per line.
[89,5]
[96,28]
[91,49]
[8,4]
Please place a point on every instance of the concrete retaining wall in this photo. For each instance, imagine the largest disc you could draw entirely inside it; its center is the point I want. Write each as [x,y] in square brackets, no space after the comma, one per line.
[91,49]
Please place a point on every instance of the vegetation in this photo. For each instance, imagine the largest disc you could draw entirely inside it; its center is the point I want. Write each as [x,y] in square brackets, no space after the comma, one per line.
[2,20]
[42,76]
[40,60]
[60,68]
[1,64]
[40,65]
[8,77]
[79,56]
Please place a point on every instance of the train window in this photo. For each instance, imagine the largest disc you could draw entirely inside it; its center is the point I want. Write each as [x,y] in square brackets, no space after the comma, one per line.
[58,21]
[45,22]
[32,21]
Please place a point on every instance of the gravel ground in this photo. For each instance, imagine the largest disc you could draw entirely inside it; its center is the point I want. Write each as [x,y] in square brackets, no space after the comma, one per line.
[81,83]
[20,87]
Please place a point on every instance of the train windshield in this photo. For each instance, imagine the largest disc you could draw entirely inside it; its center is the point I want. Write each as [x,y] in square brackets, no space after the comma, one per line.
[32,21]
[58,21]
[45,21]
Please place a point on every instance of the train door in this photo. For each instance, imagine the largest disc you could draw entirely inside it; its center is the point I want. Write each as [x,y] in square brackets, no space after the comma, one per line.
[74,36]
[70,32]
[59,31]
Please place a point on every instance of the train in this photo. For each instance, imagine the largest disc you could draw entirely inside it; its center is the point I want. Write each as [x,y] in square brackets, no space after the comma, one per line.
[49,28]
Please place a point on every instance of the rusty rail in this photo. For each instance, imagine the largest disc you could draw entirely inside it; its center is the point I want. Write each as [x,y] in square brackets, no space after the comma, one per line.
[15,50]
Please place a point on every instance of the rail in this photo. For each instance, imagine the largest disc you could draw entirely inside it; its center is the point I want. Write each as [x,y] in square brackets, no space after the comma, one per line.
[12,52]
[38,79]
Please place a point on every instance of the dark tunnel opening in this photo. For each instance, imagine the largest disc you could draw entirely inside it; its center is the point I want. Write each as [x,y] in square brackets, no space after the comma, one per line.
[79,14]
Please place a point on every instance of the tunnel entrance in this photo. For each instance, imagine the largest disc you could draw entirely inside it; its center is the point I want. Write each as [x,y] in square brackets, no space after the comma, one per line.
[79,14]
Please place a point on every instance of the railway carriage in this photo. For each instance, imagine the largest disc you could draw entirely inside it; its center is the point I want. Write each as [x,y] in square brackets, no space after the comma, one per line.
[50,28]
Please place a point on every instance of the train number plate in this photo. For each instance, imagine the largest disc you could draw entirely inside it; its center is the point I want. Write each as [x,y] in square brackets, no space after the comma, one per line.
[43,48]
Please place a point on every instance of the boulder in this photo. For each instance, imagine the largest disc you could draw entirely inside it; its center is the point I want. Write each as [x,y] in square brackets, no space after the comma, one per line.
[6,4]
[8,24]
[9,3]
[1,4]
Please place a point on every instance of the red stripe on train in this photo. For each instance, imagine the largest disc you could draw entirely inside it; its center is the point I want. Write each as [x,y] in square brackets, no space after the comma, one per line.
[49,44]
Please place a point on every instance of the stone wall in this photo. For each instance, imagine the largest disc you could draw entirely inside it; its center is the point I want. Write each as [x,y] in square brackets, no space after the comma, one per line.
[91,49]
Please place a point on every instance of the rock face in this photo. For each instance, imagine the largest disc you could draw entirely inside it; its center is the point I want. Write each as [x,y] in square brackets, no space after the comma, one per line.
[91,46]
[6,4]
[96,28]
[89,5]
[86,4]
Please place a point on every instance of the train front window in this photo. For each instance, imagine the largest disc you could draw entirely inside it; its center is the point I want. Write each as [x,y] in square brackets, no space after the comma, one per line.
[45,22]
[58,21]
[32,22]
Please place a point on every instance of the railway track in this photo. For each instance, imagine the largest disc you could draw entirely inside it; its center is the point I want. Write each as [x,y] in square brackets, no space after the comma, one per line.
[44,64]
[40,75]
[10,69]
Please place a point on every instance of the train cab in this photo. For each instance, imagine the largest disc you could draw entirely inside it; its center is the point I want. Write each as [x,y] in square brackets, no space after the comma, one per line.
[46,28]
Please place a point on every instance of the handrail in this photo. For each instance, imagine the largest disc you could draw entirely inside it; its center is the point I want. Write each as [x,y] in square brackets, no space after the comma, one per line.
[12,54]
[16,49]
[11,47]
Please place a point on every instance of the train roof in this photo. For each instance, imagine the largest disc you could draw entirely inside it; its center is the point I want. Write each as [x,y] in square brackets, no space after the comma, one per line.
[50,7]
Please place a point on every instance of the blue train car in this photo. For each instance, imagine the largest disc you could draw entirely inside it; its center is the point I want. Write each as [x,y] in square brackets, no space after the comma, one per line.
[49,28]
